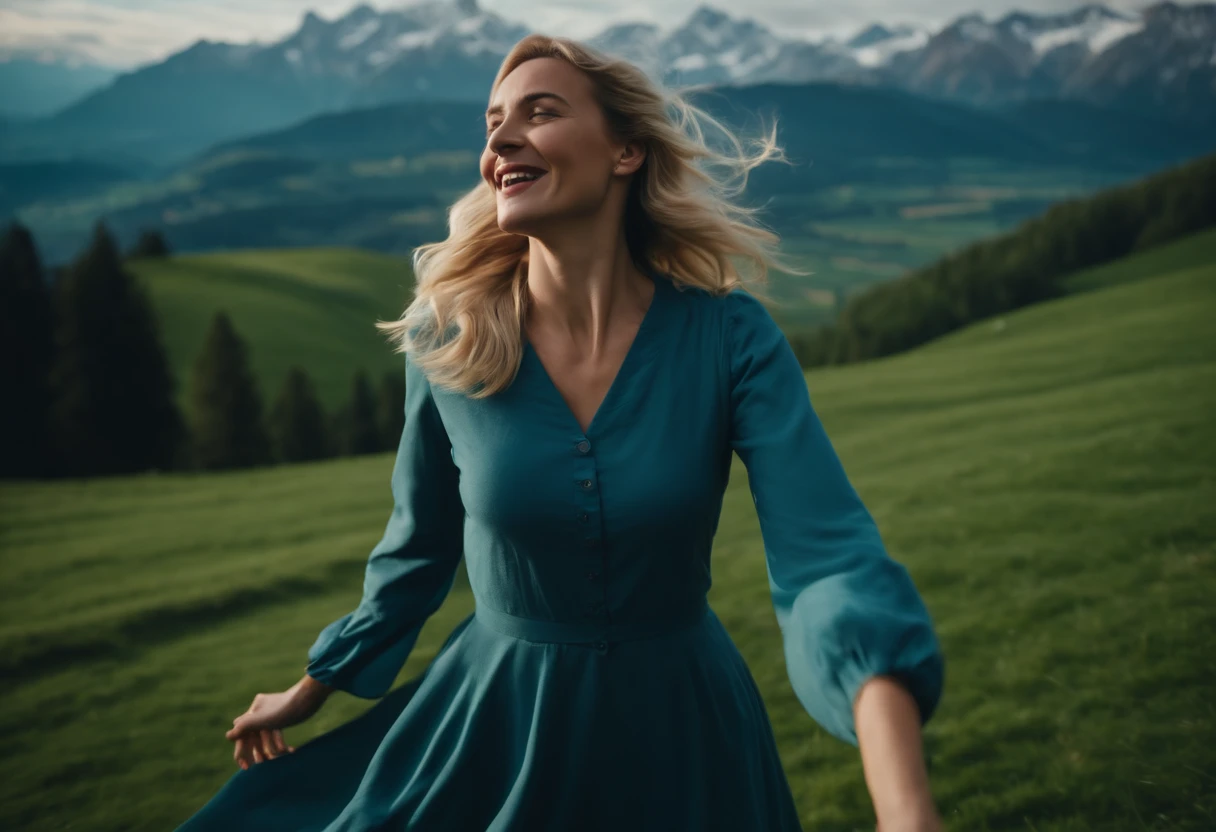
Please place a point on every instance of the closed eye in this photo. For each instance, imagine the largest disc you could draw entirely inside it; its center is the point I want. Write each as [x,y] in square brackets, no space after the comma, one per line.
[492,127]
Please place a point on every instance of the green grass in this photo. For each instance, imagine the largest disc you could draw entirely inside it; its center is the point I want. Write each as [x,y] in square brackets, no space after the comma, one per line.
[1048,480]
[312,307]
[1179,254]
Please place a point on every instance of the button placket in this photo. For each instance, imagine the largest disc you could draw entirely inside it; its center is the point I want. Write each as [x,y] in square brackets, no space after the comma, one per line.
[586,483]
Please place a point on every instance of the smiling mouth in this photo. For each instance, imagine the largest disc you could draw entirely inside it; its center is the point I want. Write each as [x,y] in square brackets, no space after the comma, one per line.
[520,184]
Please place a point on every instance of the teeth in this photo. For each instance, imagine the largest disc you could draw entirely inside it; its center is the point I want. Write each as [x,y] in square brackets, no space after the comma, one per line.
[512,178]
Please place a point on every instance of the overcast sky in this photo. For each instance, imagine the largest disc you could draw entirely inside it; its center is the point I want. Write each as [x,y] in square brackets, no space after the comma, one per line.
[126,33]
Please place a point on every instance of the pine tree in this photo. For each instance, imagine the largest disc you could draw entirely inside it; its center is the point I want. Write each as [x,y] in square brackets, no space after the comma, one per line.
[113,408]
[225,403]
[361,434]
[297,422]
[27,344]
[391,410]
[151,243]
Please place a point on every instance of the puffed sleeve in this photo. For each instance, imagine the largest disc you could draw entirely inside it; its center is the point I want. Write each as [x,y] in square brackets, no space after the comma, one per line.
[411,570]
[846,610]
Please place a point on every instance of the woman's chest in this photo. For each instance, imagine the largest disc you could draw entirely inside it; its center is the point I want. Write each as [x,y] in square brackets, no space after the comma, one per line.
[656,453]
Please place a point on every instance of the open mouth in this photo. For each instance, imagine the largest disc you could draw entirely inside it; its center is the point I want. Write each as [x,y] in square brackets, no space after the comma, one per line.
[515,183]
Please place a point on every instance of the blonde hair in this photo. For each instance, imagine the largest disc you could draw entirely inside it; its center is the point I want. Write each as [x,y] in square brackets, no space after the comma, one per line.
[464,328]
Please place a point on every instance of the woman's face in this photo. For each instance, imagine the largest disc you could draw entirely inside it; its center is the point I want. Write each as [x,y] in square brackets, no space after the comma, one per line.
[544,121]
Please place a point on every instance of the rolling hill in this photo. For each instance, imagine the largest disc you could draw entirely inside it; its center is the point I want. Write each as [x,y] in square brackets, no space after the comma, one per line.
[1046,477]
[312,307]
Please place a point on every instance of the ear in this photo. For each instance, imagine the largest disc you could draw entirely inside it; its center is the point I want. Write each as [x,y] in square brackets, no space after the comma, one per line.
[630,158]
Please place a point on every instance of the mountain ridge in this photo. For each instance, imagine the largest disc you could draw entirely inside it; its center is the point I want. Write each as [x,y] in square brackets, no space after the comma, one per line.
[1159,61]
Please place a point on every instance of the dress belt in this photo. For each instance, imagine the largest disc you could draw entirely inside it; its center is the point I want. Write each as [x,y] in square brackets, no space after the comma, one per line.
[591,632]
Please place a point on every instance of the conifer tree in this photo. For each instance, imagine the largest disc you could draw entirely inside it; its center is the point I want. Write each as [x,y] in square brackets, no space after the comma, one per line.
[27,346]
[225,404]
[362,437]
[390,419]
[113,408]
[297,422]
[151,243]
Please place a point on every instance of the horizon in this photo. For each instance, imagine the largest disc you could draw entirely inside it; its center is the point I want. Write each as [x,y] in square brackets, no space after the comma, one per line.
[123,35]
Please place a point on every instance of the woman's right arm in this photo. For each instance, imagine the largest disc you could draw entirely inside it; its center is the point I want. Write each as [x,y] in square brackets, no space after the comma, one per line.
[408,575]
[411,570]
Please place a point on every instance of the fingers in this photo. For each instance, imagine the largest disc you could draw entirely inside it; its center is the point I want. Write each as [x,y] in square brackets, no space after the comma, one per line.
[244,723]
[251,747]
[270,749]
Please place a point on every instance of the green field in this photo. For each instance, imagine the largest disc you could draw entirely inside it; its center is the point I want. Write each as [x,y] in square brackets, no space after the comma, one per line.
[1048,478]
[312,307]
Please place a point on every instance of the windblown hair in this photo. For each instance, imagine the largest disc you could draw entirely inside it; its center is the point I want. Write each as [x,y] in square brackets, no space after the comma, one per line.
[464,328]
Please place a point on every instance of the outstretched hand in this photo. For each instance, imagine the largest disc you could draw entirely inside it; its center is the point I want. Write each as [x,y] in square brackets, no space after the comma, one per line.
[257,734]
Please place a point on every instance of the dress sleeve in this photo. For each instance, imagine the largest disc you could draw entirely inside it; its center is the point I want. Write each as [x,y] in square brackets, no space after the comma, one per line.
[846,610]
[411,570]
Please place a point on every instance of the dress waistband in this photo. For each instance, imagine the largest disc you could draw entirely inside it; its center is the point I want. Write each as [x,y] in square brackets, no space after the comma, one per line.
[591,632]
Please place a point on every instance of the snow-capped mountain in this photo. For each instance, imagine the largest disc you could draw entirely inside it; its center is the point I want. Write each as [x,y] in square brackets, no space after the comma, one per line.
[876,45]
[1019,56]
[1161,59]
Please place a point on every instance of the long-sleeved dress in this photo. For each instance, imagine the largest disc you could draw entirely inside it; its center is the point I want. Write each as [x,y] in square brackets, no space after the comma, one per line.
[593,688]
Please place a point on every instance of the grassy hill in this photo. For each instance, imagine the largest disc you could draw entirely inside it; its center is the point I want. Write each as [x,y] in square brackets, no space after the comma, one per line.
[1047,478]
[312,307]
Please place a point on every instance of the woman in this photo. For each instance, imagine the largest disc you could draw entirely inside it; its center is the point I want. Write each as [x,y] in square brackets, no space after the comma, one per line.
[579,367]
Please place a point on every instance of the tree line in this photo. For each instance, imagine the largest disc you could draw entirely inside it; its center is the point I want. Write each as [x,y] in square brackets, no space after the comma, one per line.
[90,390]
[1019,268]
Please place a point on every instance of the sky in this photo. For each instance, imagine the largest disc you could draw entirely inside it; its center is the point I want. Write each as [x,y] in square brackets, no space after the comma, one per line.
[128,33]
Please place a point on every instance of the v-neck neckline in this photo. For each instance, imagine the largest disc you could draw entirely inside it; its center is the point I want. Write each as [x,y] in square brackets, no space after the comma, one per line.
[632,356]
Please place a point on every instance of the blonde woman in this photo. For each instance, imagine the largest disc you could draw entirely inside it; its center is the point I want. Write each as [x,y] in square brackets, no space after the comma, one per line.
[581,362]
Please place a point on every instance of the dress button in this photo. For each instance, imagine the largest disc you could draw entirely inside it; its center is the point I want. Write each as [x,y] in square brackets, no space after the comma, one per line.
[601,646]
[583,447]
[593,576]
[582,518]
[585,483]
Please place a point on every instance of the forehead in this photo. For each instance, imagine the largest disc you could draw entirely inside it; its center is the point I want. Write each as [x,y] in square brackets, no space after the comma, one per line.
[541,75]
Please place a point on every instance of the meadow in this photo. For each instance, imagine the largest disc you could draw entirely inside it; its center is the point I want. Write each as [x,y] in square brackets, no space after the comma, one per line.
[312,307]
[1048,478]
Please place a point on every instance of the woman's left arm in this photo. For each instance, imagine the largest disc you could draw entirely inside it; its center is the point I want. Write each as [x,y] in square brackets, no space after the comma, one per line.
[851,619]
[888,731]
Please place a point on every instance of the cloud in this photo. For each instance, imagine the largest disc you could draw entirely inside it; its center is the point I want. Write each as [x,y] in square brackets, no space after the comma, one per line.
[132,33]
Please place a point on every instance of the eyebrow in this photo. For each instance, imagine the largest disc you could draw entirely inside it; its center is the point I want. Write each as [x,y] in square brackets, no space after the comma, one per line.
[532,96]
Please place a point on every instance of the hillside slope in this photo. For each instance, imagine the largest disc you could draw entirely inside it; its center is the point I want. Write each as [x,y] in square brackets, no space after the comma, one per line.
[1048,483]
[312,307]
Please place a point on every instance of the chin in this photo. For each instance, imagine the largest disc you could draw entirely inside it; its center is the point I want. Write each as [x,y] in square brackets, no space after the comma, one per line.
[522,222]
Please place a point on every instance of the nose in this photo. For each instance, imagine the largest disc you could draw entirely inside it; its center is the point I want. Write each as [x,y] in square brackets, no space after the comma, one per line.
[504,137]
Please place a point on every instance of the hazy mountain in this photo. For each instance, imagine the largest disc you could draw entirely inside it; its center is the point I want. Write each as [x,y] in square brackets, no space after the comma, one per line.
[1167,64]
[31,86]
[212,91]
[1156,62]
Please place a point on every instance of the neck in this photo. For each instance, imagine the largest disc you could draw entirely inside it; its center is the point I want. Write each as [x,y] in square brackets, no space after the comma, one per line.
[582,285]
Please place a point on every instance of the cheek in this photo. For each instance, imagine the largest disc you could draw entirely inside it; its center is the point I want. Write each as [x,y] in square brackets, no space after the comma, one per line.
[487,168]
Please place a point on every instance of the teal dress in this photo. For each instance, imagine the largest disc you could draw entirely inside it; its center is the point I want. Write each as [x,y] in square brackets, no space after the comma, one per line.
[593,688]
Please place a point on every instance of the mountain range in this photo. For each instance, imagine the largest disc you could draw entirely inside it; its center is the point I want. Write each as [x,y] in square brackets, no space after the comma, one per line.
[1159,62]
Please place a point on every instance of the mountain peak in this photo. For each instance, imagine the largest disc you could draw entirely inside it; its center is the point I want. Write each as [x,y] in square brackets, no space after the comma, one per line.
[874,33]
[468,7]
[706,15]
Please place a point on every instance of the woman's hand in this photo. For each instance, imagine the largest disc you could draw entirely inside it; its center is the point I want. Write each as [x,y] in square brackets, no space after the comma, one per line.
[258,734]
